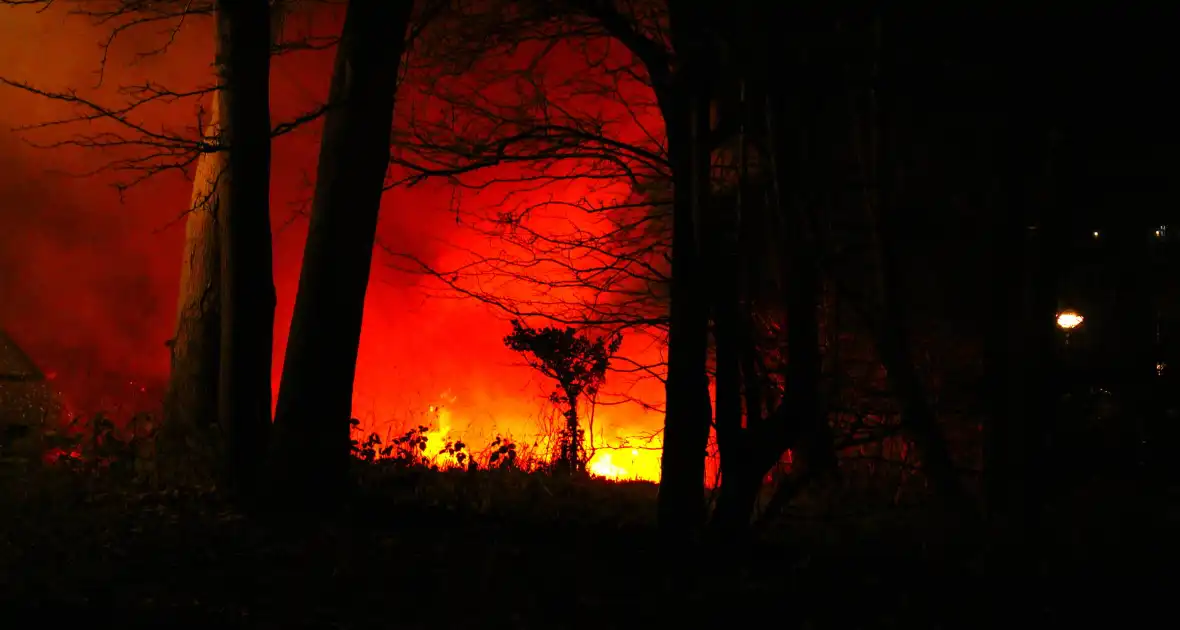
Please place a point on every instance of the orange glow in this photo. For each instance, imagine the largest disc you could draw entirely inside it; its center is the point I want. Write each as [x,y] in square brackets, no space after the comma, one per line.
[88,281]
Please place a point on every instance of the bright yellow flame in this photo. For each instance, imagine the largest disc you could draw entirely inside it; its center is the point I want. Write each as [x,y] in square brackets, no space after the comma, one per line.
[445,427]
[603,467]
[644,465]
[1068,320]
[437,438]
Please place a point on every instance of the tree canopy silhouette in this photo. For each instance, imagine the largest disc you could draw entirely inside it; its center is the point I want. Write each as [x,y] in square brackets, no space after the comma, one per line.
[578,363]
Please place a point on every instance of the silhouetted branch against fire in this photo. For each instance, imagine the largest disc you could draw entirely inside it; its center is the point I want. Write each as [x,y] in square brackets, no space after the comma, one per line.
[543,106]
[548,129]
[133,147]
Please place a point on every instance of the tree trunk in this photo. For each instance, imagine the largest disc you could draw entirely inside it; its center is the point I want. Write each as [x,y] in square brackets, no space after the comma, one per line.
[247,281]
[688,412]
[799,422]
[191,400]
[311,450]
[728,226]
[892,338]
[792,116]
[732,513]
[571,445]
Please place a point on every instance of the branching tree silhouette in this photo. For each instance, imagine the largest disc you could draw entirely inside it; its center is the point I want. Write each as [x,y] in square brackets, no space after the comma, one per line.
[226,310]
[579,366]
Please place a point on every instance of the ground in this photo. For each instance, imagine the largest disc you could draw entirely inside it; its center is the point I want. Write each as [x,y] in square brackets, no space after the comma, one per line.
[423,549]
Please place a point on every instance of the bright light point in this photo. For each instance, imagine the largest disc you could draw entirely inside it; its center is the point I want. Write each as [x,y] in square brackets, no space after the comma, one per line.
[634,452]
[1068,320]
[1095,233]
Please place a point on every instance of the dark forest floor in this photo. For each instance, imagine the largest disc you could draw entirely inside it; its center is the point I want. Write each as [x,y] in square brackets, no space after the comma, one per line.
[455,550]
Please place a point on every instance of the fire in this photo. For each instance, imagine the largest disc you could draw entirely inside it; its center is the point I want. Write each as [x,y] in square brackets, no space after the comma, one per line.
[94,295]
[451,429]
[602,466]
[640,467]
[437,438]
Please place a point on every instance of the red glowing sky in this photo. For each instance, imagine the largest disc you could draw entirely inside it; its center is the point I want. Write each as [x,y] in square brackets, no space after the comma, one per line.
[88,281]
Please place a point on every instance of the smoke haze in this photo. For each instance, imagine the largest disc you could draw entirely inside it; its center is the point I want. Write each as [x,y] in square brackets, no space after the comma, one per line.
[88,280]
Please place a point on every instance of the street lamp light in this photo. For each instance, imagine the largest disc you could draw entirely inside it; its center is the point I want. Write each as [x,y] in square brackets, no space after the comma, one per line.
[1069,319]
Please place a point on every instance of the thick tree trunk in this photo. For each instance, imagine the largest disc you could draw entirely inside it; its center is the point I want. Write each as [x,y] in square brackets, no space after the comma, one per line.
[191,400]
[311,446]
[248,294]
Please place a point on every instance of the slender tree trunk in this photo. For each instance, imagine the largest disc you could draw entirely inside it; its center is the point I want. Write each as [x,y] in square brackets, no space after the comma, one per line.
[191,403]
[315,395]
[799,422]
[792,119]
[573,451]
[685,104]
[688,411]
[247,281]
[732,513]
[683,99]
[892,338]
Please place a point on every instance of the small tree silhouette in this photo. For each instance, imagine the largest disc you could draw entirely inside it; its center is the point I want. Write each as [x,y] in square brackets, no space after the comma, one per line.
[578,364]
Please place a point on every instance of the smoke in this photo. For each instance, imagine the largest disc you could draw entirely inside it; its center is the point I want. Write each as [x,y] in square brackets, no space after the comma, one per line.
[78,281]
[88,279]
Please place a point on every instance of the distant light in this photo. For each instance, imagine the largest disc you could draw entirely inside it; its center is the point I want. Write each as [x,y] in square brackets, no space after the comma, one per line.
[1069,319]
[1159,368]
[1096,235]
[634,452]
[1161,231]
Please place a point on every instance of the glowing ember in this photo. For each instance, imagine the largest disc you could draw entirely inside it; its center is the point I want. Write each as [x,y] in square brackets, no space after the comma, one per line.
[1068,320]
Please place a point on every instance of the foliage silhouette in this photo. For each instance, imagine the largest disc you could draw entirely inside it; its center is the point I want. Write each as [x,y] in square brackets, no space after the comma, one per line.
[578,364]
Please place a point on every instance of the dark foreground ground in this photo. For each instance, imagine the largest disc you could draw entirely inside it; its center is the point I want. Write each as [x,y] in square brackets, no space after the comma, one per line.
[435,550]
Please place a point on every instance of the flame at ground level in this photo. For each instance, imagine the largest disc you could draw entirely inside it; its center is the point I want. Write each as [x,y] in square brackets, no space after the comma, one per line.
[621,457]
